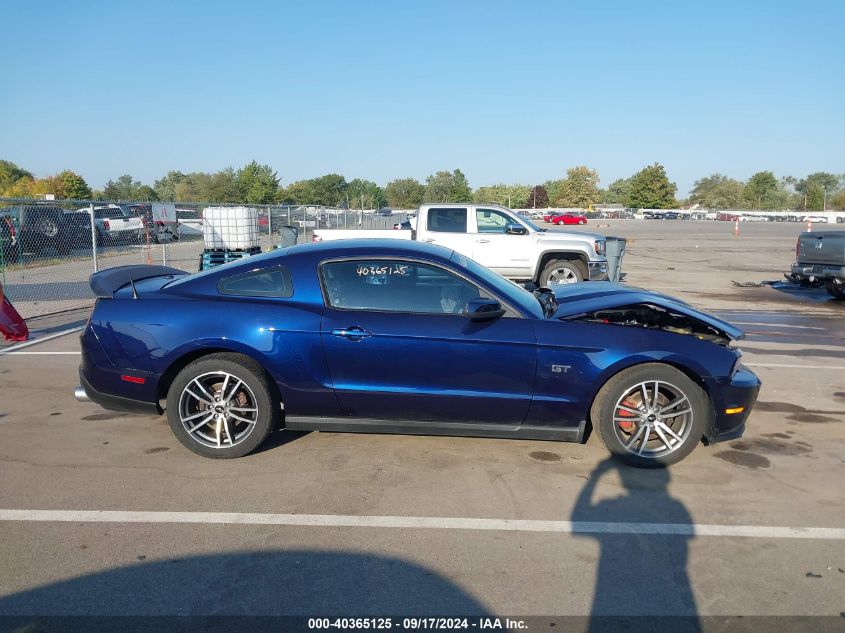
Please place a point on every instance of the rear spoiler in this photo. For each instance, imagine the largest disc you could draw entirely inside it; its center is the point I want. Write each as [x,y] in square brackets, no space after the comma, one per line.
[106,282]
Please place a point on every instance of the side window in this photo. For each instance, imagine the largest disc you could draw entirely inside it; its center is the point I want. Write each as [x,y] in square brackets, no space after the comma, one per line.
[269,282]
[491,221]
[395,286]
[447,220]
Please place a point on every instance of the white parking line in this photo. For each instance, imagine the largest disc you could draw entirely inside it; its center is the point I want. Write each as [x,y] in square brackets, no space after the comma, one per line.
[36,341]
[797,327]
[794,366]
[42,353]
[421,523]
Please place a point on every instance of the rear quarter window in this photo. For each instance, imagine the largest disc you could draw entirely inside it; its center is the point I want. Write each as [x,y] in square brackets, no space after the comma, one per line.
[270,282]
[447,220]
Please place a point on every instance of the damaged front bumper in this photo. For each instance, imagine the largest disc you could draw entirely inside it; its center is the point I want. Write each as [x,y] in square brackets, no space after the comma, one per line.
[732,404]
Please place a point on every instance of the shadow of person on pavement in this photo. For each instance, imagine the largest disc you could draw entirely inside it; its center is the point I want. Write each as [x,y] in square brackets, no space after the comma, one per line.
[638,574]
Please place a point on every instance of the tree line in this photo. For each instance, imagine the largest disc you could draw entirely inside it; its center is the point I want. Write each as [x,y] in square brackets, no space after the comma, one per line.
[254,183]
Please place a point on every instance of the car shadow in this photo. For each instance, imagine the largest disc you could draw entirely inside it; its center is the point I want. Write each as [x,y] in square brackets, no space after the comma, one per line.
[638,574]
[303,583]
[813,294]
[279,437]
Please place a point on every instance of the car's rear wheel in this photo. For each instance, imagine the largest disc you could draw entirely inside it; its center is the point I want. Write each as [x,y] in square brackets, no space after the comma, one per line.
[559,272]
[651,415]
[582,221]
[835,290]
[222,406]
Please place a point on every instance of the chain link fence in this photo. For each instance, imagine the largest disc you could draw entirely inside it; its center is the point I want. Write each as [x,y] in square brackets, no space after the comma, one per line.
[49,249]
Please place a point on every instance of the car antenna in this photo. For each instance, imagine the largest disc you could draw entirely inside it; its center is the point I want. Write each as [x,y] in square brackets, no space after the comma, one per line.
[132,283]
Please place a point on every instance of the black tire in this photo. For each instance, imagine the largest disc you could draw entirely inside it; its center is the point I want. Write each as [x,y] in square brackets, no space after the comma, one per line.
[258,387]
[840,219]
[837,291]
[689,427]
[575,268]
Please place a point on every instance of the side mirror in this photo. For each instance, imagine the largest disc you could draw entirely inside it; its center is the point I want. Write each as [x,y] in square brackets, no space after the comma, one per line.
[515,229]
[482,309]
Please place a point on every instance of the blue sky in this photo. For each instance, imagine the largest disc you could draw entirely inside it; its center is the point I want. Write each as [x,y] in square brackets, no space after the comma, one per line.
[506,91]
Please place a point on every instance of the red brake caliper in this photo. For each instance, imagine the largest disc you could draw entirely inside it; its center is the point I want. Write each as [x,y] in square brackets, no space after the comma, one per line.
[627,427]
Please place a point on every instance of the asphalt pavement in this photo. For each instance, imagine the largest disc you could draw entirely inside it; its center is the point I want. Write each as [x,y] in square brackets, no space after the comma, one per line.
[105,513]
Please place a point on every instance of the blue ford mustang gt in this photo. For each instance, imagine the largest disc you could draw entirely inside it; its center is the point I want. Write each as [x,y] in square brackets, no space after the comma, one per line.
[389,336]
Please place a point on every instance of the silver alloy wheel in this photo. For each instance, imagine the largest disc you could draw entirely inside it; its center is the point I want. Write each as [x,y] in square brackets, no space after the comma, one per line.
[218,409]
[652,418]
[560,276]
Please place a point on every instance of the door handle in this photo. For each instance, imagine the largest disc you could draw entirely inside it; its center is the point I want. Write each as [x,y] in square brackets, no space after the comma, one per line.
[483,241]
[353,333]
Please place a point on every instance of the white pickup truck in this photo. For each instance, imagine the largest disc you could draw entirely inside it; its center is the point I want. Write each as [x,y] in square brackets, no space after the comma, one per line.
[501,240]
[115,223]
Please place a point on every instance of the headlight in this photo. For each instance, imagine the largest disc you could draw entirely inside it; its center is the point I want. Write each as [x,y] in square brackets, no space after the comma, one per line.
[601,247]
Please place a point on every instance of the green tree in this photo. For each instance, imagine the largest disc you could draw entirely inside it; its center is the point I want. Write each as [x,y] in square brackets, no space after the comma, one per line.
[328,190]
[10,174]
[223,187]
[513,196]
[166,187]
[447,186]
[365,194]
[717,192]
[121,189]
[617,191]
[298,192]
[146,193]
[651,189]
[552,188]
[258,184]
[72,186]
[817,187]
[219,187]
[580,188]
[764,191]
[404,193]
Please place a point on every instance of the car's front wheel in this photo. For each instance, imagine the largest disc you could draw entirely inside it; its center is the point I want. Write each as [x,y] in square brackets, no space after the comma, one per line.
[222,406]
[562,271]
[651,415]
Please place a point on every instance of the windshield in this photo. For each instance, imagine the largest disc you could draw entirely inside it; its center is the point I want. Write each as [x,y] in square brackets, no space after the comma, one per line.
[512,292]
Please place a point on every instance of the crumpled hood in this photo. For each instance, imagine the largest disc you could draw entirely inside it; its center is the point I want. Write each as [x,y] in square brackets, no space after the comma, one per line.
[592,296]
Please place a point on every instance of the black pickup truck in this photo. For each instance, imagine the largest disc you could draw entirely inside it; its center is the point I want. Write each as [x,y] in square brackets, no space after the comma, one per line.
[822,256]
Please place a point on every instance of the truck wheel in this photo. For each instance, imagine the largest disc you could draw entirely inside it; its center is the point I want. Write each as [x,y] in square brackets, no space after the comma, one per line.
[650,415]
[835,290]
[562,271]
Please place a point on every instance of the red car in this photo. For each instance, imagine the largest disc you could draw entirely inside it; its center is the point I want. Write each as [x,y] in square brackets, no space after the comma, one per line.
[565,218]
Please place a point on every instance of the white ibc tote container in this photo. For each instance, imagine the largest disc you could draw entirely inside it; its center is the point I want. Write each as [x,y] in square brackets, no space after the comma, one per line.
[230,228]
